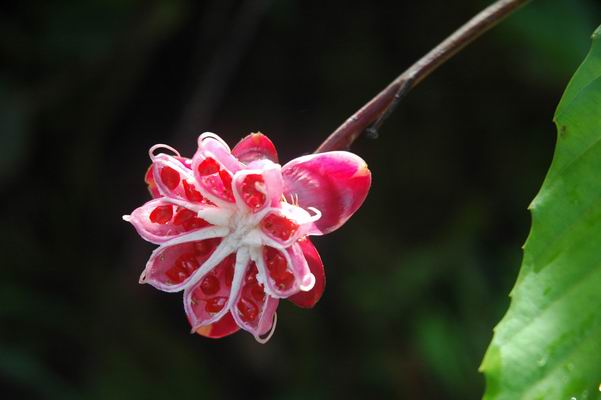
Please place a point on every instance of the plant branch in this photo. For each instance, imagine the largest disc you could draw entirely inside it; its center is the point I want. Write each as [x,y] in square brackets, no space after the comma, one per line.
[371,116]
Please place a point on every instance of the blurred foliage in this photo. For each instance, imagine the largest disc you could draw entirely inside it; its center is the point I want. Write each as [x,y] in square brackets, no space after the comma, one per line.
[537,25]
[416,280]
[547,346]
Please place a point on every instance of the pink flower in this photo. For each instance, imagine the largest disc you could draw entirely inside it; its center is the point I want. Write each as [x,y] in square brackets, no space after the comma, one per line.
[233,226]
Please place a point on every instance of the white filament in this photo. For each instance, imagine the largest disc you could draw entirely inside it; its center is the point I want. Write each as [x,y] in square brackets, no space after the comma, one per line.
[271,332]
[161,146]
[211,135]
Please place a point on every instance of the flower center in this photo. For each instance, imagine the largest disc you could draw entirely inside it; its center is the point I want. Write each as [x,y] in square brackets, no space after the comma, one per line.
[244,228]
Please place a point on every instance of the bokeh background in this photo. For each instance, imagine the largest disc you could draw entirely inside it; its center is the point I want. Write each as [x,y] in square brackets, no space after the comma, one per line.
[416,280]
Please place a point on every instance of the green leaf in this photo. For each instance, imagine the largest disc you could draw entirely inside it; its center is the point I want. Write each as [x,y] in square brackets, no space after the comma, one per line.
[548,345]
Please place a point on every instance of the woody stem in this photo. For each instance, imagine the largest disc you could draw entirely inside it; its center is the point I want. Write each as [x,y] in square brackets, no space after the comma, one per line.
[371,116]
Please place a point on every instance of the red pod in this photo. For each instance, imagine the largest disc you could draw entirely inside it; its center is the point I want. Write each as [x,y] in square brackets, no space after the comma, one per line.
[233,226]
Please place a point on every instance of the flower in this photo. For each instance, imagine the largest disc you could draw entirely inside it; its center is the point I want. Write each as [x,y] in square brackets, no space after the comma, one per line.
[233,226]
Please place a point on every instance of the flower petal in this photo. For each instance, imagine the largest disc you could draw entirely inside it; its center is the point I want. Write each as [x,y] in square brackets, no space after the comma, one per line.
[211,145]
[310,298]
[336,183]
[172,267]
[276,272]
[255,146]
[255,189]
[159,220]
[224,327]
[302,272]
[287,223]
[254,310]
[208,300]
[214,167]
[173,178]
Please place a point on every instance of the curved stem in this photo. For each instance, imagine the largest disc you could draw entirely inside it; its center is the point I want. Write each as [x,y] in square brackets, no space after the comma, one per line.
[371,116]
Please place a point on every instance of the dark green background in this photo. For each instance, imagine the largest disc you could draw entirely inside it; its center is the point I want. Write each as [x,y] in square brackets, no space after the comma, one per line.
[416,280]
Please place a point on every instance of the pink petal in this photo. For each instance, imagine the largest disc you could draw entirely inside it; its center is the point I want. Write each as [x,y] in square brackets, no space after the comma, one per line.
[158,221]
[211,145]
[224,327]
[170,268]
[287,223]
[302,272]
[255,146]
[254,310]
[214,167]
[149,177]
[173,178]
[310,298]
[258,188]
[207,301]
[336,183]
[278,273]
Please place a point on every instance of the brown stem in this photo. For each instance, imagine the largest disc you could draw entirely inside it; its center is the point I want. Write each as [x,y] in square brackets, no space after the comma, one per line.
[373,114]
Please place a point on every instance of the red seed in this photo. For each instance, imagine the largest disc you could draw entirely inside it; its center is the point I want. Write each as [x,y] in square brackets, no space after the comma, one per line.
[256,292]
[191,193]
[205,247]
[279,227]
[226,178]
[227,266]
[215,304]
[274,256]
[182,215]
[285,281]
[170,177]
[176,275]
[208,166]
[251,275]
[209,285]
[188,262]
[248,310]
[161,214]
[195,223]
[188,220]
[182,268]
[251,193]
[278,268]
